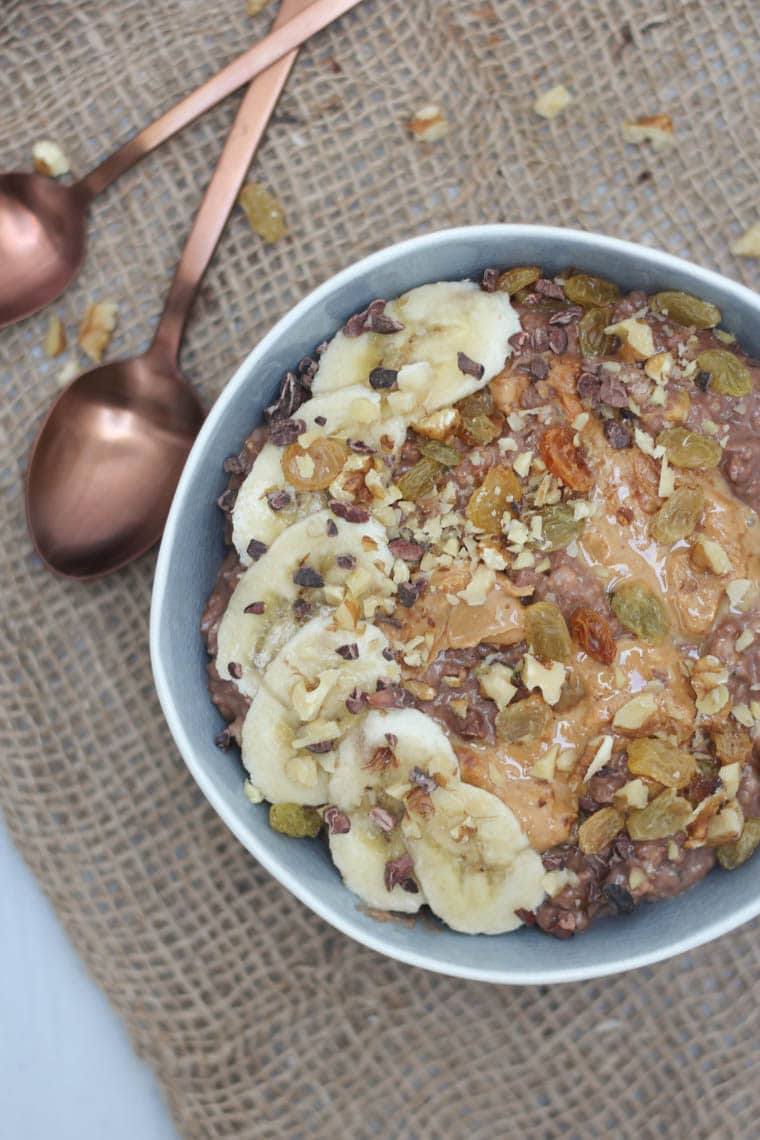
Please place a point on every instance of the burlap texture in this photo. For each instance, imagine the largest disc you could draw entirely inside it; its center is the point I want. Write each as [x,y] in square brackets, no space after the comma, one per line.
[259,1020]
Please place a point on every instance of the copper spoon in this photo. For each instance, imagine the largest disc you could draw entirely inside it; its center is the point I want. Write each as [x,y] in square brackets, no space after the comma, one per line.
[43,224]
[107,458]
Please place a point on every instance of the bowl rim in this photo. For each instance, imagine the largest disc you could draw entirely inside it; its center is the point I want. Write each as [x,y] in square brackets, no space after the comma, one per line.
[668,263]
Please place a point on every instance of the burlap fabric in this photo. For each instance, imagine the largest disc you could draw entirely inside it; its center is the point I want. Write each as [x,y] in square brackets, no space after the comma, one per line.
[259,1020]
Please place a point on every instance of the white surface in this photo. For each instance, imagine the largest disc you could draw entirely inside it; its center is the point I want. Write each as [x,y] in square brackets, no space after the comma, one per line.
[66,1067]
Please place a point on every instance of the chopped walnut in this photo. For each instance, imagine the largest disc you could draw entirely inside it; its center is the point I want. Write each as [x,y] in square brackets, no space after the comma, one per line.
[96,329]
[68,373]
[552,102]
[655,129]
[429,124]
[49,159]
[55,339]
[748,245]
[265,215]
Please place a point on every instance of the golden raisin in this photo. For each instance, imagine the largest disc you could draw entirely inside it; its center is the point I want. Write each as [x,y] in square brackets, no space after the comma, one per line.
[593,634]
[658,760]
[314,467]
[546,631]
[599,830]
[565,460]
[491,499]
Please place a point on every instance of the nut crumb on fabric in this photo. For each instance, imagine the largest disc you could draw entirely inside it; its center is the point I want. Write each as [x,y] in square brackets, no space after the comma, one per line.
[97,328]
[55,338]
[265,214]
[429,124]
[552,102]
[49,159]
[748,245]
[654,129]
[253,7]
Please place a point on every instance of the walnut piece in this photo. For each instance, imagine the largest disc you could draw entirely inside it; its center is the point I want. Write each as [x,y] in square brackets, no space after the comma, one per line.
[748,245]
[655,129]
[552,102]
[429,124]
[49,159]
[96,329]
[55,339]
[265,215]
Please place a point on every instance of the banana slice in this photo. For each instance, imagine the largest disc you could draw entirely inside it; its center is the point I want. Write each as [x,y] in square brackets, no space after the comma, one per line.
[252,515]
[381,752]
[313,674]
[440,321]
[473,861]
[260,618]
[362,855]
[301,705]
[282,772]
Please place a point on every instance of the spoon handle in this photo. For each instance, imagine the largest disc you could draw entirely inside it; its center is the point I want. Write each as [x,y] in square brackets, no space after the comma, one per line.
[250,123]
[285,38]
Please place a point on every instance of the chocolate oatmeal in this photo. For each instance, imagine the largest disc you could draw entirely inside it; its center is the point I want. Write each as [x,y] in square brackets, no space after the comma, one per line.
[489,621]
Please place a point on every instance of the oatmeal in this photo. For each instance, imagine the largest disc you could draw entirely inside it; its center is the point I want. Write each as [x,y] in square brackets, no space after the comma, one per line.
[489,620]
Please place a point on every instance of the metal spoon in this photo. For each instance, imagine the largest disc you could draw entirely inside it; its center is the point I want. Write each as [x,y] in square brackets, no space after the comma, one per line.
[107,458]
[43,224]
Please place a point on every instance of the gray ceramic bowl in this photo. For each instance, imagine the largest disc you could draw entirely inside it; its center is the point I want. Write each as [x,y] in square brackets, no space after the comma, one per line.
[192,550]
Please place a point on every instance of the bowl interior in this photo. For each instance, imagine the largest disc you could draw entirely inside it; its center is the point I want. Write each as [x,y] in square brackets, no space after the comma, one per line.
[192,549]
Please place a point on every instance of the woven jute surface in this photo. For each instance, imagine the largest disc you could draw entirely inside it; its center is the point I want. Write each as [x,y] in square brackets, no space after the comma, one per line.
[259,1020]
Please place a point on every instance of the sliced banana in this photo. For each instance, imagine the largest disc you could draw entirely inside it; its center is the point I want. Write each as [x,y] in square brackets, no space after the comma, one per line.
[361,856]
[259,618]
[301,702]
[281,772]
[310,676]
[253,517]
[440,321]
[348,360]
[383,749]
[473,861]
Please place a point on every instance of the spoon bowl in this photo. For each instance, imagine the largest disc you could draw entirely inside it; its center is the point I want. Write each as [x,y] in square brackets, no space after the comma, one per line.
[105,464]
[43,235]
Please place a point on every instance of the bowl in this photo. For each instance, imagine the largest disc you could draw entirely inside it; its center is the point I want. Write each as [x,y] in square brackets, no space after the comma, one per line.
[192,549]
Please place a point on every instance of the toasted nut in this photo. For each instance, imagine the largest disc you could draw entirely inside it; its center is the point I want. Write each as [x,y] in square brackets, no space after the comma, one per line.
[726,826]
[732,855]
[709,555]
[636,713]
[548,680]
[420,689]
[699,820]
[265,215]
[429,124]
[49,159]
[96,329]
[601,757]
[637,335]
[598,831]
[659,367]
[660,761]
[748,245]
[438,425]
[552,102]
[665,815]
[634,794]
[707,673]
[55,339]
[656,129]
[544,767]
[495,682]
[714,701]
